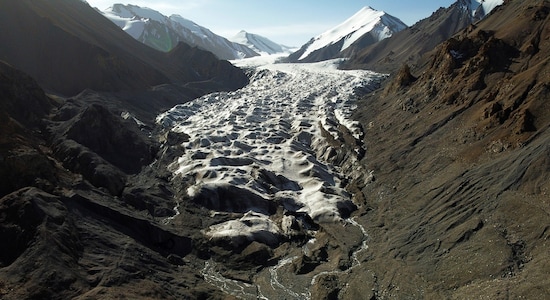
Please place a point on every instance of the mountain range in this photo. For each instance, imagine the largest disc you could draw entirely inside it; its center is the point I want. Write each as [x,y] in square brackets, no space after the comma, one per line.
[164,33]
[437,175]
[367,27]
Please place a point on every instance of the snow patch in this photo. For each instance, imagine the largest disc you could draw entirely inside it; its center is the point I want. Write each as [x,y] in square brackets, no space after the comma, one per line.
[489,5]
[252,226]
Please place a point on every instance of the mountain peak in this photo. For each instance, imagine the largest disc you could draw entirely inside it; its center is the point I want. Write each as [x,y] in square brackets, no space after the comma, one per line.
[367,21]
[258,43]
[369,9]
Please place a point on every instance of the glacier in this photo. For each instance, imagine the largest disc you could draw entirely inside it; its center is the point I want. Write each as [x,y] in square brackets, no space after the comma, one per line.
[262,146]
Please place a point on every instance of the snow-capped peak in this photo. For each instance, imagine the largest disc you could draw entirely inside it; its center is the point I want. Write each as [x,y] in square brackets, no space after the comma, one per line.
[132,11]
[364,21]
[258,43]
[163,33]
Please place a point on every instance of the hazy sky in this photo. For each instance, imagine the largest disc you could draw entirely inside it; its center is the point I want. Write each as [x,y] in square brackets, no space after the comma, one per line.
[289,22]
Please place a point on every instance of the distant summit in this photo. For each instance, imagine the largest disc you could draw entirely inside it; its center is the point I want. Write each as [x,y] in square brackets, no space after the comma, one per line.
[163,33]
[259,44]
[366,27]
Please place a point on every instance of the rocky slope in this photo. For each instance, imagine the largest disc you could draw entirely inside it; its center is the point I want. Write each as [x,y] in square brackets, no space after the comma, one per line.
[80,206]
[458,147]
[409,45]
[81,198]
[164,33]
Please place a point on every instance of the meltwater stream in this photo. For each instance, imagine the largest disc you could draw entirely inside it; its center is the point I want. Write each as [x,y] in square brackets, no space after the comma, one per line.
[262,146]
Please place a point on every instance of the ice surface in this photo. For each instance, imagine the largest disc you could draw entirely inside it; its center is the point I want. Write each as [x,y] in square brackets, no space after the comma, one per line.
[252,226]
[265,140]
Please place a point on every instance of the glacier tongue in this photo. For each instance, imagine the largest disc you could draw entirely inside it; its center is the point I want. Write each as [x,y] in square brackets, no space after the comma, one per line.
[260,148]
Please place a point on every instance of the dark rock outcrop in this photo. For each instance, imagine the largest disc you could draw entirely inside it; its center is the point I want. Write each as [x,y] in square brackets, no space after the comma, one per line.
[42,246]
[229,198]
[111,137]
[22,98]
[23,105]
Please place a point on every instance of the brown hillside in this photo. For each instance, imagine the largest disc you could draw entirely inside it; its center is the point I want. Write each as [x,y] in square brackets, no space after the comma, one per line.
[459,207]
[410,44]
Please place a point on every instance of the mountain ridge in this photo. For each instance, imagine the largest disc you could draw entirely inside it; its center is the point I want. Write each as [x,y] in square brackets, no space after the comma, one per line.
[164,32]
[259,44]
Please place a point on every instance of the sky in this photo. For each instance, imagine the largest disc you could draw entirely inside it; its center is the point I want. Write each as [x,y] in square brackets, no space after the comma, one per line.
[288,22]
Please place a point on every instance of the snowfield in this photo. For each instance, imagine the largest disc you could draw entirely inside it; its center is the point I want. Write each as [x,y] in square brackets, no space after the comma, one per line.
[261,147]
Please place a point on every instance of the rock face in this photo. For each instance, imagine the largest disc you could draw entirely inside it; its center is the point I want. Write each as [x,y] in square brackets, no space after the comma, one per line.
[22,109]
[107,135]
[460,205]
